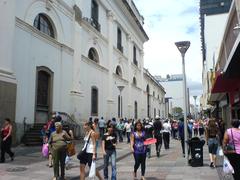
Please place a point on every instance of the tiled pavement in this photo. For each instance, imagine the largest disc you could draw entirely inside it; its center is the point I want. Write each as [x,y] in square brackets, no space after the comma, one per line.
[29,165]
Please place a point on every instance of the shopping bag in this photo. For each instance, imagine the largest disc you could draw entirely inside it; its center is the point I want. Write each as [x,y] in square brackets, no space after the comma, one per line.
[150,141]
[45,150]
[227,167]
[92,172]
[220,151]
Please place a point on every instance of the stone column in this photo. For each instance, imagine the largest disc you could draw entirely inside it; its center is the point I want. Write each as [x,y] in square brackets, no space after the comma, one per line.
[142,105]
[76,92]
[130,77]
[110,100]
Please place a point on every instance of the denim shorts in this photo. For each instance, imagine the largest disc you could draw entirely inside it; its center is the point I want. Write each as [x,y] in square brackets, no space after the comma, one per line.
[212,145]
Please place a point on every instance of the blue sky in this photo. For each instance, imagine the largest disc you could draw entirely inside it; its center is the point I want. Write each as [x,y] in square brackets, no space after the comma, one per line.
[168,21]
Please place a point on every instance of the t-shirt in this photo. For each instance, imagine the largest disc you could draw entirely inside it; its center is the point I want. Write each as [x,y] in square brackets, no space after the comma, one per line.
[110,139]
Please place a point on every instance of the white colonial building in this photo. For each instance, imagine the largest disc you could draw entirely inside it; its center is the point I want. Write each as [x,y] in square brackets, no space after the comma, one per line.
[74,56]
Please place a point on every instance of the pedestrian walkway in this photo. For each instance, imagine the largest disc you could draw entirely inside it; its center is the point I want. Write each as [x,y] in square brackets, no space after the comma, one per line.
[30,165]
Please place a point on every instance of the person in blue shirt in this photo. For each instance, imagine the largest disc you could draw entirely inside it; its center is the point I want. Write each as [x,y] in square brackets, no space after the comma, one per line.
[181,134]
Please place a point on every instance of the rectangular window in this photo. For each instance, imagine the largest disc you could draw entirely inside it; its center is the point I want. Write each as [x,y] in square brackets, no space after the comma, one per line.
[119,40]
[94,103]
[94,12]
[119,113]
[135,56]
[94,15]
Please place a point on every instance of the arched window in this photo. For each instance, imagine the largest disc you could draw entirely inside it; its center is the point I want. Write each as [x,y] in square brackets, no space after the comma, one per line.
[135,110]
[153,93]
[119,71]
[43,24]
[134,81]
[158,96]
[93,55]
[148,101]
[94,101]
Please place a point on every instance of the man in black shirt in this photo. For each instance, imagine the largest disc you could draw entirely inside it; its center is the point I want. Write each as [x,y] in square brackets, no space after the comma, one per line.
[109,142]
[157,126]
[149,134]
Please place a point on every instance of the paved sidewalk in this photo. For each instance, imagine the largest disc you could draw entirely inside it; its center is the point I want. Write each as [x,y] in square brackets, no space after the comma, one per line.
[30,165]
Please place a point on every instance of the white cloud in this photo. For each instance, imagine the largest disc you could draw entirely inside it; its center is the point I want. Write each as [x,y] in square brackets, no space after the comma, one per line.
[167,22]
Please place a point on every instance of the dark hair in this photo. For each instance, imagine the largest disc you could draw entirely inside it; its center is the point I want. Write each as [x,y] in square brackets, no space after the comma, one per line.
[135,126]
[8,120]
[89,123]
[235,123]
[58,119]
[95,120]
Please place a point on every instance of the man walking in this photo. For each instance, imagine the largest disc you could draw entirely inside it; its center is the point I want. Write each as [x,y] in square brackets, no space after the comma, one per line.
[157,126]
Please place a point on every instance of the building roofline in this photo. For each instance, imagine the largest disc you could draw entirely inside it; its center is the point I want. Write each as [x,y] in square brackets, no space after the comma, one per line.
[135,18]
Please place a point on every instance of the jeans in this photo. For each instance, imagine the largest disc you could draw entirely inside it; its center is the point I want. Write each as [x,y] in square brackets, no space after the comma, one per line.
[158,143]
[110,154]
[140,159]
[148,150]
[6,148]
[120,135]
[166,139]
[128,137]
[101,130]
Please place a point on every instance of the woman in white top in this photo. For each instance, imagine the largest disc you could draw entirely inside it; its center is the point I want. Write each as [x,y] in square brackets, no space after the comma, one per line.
[90,142]
[166,134]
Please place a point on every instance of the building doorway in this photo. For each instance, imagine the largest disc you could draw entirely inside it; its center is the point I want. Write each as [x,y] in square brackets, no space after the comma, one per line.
[43,94]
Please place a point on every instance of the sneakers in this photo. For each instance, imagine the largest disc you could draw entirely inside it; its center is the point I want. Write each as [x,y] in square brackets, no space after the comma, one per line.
[158,154]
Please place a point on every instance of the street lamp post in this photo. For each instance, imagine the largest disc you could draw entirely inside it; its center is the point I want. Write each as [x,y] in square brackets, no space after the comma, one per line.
[120,100]
[183,47]
[195,106]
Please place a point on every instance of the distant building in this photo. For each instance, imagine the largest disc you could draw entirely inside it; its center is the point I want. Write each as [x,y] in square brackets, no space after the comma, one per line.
[173,85]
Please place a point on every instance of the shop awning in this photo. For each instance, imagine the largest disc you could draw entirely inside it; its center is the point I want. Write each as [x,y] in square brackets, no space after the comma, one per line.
[223,84]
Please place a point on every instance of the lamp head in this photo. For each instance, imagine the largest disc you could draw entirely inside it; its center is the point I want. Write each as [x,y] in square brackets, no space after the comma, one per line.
[183,46]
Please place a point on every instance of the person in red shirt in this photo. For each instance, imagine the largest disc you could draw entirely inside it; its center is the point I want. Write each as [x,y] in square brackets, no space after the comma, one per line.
[6,134]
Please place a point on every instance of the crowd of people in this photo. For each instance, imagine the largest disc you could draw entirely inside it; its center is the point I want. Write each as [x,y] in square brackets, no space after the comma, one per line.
[139,134]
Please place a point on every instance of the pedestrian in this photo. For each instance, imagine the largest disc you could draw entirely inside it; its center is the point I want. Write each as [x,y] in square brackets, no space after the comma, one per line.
[166,134]
[109,142]
[139,149]
[211,137]
[195,127]
[221,126]
[68,157]
[90,145]
[127,126]
[50,129]
[6,142]
[175,129]
[149,134]
[58,148]
[120,128]
[157,129]
[102,125]
[201,127]
[232,136]
[97,132]
[181,135]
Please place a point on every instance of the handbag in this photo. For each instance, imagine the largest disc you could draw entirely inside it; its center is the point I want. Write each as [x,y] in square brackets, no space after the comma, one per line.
[83,152]
[71,149]
[230,147]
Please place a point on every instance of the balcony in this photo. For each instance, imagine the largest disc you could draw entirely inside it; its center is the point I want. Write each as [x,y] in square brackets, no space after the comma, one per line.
[94,23]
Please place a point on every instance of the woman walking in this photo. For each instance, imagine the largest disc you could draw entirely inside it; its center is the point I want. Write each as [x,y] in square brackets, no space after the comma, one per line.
[58,147]
[6,134]
[90,145]
[139,149]
[109,142]
[211,138]
[232,135]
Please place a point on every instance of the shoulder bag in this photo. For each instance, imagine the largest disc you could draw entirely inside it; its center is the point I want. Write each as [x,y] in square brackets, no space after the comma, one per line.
[229,148]
[83,152]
